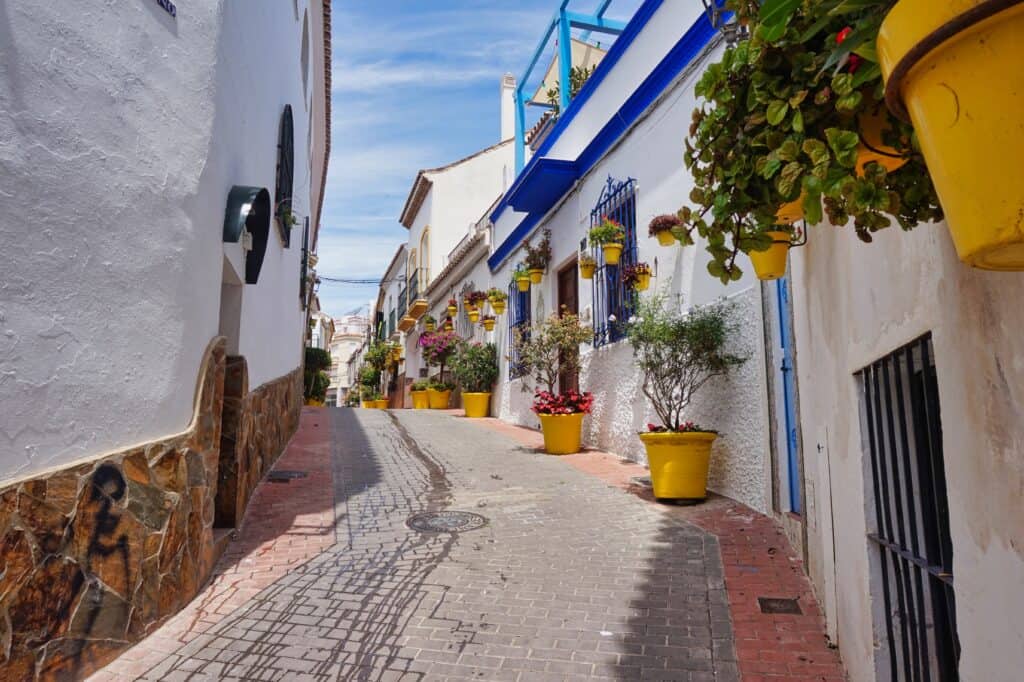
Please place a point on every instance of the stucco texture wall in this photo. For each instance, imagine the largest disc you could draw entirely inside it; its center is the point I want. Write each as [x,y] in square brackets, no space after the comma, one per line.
[906,285]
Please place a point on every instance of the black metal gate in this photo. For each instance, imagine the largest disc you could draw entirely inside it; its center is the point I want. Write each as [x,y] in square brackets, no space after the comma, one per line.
[914,557]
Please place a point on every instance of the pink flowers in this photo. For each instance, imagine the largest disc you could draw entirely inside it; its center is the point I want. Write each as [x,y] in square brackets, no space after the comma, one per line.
[570,402]
[684,427]
[438,346]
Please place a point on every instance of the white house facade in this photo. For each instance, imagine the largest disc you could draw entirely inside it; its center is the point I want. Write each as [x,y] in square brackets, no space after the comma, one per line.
[163,169]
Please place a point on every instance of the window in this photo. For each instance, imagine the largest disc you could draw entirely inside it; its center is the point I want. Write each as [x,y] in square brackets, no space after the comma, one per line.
[913,553]
[614,302]
[519,319]
[425,259]
[305,56]
[283,208]
[414,277]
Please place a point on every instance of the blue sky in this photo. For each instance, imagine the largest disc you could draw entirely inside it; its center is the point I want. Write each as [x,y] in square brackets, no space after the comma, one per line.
[415,85]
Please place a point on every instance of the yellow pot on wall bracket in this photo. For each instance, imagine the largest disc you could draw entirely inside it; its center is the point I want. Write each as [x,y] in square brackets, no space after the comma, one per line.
[498,307]
[956,71]
[473,314]
[612,252]
[587,270]
[771,263]
[523,283]
[643,281]
[872,147]
[536,276]
[666,238]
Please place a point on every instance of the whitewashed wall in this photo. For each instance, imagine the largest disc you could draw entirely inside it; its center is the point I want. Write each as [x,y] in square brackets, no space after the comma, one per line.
[855,303]
[123,130]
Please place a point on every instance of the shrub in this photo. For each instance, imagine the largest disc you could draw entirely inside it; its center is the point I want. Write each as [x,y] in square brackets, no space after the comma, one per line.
[570,402]
[552,345]
[369,376]
[437,348]
[475,366]
[378,354]
[537,258]
[317,359]
[678,353]
[420,385]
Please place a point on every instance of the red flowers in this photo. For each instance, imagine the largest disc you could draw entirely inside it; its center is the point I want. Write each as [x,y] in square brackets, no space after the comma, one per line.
[685,427]
[854,60]
[570,402]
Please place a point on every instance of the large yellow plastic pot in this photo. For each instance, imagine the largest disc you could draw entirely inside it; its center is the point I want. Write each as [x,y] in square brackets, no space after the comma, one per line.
[420,401]
[957,69]
[438,400]
[666,238]
[771,264]
[612,253]
[476,405]
[561,432]
[536,276]
[314,403]
[523,283]
[679,464]
[381,404]
[369,405]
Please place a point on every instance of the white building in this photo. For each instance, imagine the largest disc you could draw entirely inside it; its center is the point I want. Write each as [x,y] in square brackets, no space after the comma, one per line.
[350,332]
[163,169]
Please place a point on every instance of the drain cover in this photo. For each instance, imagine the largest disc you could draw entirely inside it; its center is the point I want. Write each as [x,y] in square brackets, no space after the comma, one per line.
[446,521]
[775,605]
[284,476]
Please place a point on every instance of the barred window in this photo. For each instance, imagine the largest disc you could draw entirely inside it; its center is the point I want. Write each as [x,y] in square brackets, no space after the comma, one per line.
[519,319]
[614,303]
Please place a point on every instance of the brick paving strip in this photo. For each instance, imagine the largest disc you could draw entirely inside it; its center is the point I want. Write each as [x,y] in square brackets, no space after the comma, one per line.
[758,560]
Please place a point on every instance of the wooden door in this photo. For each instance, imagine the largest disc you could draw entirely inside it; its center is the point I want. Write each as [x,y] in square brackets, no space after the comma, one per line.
[568,302]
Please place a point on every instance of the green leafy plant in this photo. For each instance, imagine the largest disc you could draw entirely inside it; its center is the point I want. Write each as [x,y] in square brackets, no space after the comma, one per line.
[786,115]
[538,257]
[631,273]
[578,75]
[520,272]
[476,298]
[315,379]
[429,319]
[442,385]
[420,385]
[678,353]
[610,231]
[552,345]
[585,259]
[378,355]
[475,366]
[369,376]
[496,295]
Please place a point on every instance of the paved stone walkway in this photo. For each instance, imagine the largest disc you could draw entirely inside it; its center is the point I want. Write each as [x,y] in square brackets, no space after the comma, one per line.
[573,577]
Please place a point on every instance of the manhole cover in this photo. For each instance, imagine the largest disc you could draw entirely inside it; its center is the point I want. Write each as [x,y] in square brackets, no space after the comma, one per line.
[446,521]
[284,476]
[775,605]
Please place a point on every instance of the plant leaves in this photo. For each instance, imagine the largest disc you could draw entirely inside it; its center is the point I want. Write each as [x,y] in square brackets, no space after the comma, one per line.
[849,102]
[776,12]
[789,177]
[798,121]
[844,145]
[777,110]
[788,151]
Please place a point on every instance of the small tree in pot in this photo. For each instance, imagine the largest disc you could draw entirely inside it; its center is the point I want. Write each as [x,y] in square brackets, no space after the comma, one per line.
[437,348]
[678,353]
[552,346]
[475,366]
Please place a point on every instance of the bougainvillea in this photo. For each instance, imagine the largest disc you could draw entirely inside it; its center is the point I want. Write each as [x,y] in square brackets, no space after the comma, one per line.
[437,347]
[570,402]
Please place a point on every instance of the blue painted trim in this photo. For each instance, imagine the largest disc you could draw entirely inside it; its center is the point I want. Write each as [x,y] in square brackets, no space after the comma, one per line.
[595,23]
[564,59]
[652,87]
[547,181]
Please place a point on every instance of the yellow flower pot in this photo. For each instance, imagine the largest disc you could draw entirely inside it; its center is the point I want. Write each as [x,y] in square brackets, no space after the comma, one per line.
[587,270]
[498,307]
[448,326]
[476,405]
[369,404]
[420,401]
[771,264]
[523,283]
[666,238]
[438,400]
[561,432]
[430,326]
[791,212]
[381,404]
[536,276]
[612,253]
[964,93]
[452,309]
[679,464]
[642,282]
[314,403]
[872,148]
[474,314]
[489,325]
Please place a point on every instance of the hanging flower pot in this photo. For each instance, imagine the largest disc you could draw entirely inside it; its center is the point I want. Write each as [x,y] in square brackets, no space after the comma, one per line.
[661,227]
[474,315]
[637,277]
[771,264]
[610,235]
[498,307]
[872,148]
[453,306]
[523,282]
[791,212]
[587,267]
[430,326]
[449,325]
[488,323]
[679,464]
[955,69]
[536,275]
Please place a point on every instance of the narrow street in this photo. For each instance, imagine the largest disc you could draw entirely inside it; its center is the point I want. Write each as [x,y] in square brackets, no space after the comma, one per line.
[570,577]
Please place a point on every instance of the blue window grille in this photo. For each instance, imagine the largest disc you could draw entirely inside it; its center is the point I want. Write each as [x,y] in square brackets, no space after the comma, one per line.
[614,303]
[519,319]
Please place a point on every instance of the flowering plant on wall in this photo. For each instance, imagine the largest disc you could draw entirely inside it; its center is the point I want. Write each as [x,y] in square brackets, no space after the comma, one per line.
[437,348]
[552,346]
[538,257]
[663,223]
[610,231]
[633,274]
[570,402]
[476,298]
[495,295]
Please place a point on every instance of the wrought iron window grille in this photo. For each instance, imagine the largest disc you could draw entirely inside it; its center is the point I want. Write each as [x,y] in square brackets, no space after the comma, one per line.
[519,320]
[614,302]
[913,551]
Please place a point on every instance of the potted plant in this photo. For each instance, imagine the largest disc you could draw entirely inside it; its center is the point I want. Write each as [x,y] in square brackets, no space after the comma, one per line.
[677,353]
[498,299]
[437,348]
[792,125]
[770,263]
[429,323]
[610,236]
[315,377]
[587,265]
[537,258]
[396,353]
[382,401]
[449,325]
[521,277]
[418,391]
[662,226]
[475,366]
[552,346]
[488,322]
[453,307]
[637,277]
[368,397]
[475,301]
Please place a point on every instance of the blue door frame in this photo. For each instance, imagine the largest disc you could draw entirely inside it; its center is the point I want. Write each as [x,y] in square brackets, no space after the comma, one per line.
[789,393]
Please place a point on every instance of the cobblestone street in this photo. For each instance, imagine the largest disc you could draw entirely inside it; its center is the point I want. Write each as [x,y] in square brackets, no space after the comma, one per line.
[571,577]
